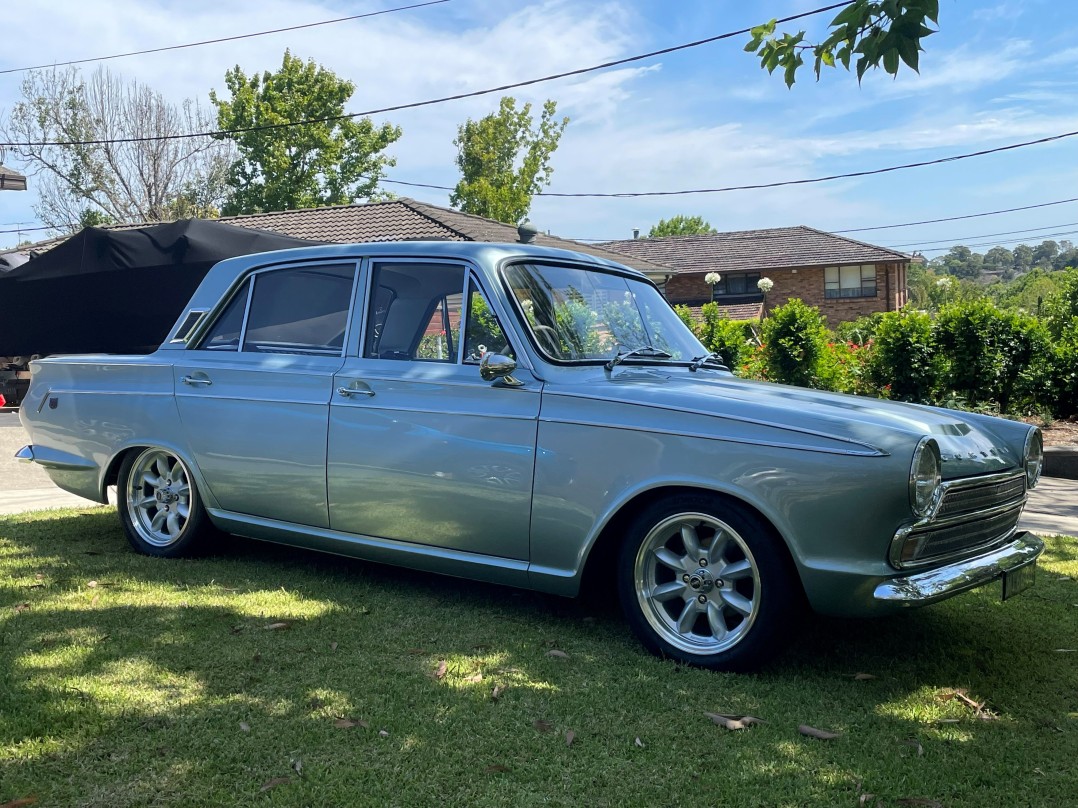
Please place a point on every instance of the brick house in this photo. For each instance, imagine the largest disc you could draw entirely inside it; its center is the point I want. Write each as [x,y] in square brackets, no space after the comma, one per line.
[844,278]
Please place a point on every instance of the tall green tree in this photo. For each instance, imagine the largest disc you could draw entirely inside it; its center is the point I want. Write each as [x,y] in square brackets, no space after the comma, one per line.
[504,160]
[681,226]
[867,33]
[331,161]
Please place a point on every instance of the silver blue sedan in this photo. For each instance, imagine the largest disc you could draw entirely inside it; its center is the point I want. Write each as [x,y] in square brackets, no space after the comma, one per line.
[537,418]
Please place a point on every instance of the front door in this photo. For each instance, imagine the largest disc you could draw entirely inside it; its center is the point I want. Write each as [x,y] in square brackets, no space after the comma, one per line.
[421,449]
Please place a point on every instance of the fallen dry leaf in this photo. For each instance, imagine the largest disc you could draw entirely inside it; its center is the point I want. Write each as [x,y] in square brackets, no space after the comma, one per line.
[443,669]
[865,799]
[639,743]
[20,803]
[570,736]
[276,781]
[916,745]
[21,607]
[91,584]
[348,723]
[297,766]
[923,801]
[281,626]
[496,693]
[333,646]
[733,722]
[497,768]
[820,734]
[94,600]
[554,652]
[244,726]
[475,677]
[542,726]
[383,734]
[863,677]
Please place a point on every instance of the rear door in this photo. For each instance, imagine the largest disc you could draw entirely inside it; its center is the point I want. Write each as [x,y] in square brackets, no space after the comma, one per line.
[421,449]
[253,396]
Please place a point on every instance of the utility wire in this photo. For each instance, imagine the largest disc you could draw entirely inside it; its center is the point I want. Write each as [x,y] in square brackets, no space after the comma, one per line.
[958,240]
[429,102]
[223,39]
[781,183]
[26,229]
[1001,243]
[956,218]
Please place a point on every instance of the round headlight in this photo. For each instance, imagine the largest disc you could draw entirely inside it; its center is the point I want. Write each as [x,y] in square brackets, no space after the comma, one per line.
[925,477]
[1034,456]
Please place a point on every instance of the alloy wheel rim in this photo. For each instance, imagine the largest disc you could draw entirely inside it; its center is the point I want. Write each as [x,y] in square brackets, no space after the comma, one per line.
[159,497]
[697,583]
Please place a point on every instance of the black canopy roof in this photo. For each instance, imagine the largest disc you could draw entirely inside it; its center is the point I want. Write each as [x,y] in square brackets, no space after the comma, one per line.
[117,291]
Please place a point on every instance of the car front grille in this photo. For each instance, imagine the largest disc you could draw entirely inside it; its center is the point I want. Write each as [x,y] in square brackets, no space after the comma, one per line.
[973,514]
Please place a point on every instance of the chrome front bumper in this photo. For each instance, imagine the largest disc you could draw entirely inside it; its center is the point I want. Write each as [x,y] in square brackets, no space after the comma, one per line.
[940,583]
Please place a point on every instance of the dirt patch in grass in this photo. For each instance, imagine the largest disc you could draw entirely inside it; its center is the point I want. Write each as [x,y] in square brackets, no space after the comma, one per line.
[1061,433]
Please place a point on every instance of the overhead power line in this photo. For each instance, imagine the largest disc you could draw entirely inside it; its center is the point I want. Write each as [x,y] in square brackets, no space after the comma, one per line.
[959,239]
[956,218]
[429,102]
[223,39]
[1001,243]
[780,183]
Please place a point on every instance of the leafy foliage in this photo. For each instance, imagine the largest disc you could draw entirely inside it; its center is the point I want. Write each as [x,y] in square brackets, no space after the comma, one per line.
[333,160]
[730,339]
[904,359]
[504,161]
[870,33]
[795,340]
[681,226]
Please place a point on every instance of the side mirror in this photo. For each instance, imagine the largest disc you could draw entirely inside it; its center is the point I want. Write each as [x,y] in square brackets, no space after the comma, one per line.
[493,367]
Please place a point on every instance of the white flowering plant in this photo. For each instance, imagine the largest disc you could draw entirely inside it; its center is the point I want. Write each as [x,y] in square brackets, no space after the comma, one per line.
[712,278]
[765,285]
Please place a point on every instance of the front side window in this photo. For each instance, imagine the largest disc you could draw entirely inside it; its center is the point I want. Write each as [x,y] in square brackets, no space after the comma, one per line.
[582,314]
[415,312]
[858,280]
[300,310]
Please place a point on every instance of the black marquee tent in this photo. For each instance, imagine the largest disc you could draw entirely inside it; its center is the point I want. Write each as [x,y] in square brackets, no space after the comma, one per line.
[117,291]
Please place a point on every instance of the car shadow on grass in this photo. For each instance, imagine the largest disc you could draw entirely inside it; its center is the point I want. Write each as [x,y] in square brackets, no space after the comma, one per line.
[127,680]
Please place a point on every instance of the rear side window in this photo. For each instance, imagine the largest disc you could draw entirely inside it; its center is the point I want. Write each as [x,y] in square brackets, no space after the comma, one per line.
[300,310]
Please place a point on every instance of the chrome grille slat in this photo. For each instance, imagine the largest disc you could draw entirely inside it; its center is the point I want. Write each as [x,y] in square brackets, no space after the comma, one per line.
[945,541]
[970,499]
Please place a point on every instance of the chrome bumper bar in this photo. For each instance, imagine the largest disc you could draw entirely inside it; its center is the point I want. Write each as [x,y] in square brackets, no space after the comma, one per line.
[933,585]
[25,454]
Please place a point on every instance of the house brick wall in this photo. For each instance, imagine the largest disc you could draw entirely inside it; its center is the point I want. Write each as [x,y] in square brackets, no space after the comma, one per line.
[806,283]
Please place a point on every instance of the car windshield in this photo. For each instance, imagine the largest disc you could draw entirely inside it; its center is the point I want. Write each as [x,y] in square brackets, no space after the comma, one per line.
[584,314]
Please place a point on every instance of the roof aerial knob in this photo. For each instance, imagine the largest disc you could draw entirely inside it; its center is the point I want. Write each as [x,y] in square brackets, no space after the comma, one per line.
[527,232]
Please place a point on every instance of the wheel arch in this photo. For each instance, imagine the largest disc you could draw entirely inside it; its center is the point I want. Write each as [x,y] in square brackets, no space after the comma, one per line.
[111,474]
[602,554]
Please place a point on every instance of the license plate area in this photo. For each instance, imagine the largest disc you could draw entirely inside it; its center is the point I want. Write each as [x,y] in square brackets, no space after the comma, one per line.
[1019,579]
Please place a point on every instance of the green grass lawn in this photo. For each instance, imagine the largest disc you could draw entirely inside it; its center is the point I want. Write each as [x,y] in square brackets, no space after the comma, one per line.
[130,681]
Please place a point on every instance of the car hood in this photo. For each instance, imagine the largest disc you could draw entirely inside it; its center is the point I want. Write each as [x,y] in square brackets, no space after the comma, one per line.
[743,410]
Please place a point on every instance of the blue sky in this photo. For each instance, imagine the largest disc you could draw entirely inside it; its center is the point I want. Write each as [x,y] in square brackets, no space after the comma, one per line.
[996,73]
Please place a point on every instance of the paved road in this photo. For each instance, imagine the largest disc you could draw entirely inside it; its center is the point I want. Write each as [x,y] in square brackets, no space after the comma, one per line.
[1052,508]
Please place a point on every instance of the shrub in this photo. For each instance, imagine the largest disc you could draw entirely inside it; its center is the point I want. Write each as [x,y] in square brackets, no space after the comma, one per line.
[860,331]
[795,338]
[903,360]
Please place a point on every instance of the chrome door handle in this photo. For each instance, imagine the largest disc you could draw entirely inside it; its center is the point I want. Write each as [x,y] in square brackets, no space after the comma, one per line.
[348,392]
[196,380]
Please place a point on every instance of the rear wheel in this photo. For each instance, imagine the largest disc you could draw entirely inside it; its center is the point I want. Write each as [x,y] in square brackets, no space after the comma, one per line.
[159,505]
[706,581]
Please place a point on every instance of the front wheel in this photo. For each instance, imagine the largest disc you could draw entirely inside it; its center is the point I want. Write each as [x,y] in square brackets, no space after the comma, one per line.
[706,581]
[160,509]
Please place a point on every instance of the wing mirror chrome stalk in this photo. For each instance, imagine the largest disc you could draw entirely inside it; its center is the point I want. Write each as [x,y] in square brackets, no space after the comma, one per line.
[494,367]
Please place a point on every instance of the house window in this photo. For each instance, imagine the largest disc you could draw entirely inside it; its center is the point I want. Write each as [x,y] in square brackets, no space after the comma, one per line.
[858,280]
[740,286]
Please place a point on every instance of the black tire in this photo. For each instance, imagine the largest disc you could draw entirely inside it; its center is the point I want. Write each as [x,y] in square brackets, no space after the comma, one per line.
[706,581]
[159,505]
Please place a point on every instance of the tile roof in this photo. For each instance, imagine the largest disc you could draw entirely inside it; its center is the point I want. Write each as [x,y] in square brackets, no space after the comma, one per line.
[775,248]
[735,311]
[410,219]
[401,219]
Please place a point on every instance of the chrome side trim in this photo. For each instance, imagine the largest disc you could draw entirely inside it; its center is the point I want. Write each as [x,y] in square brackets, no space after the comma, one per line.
[25,454]
[937,584]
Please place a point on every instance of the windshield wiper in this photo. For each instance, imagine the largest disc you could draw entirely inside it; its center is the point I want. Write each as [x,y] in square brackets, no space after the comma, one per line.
[649,351]
[699,361]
